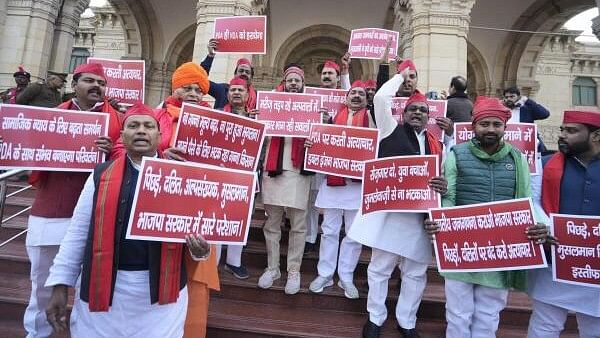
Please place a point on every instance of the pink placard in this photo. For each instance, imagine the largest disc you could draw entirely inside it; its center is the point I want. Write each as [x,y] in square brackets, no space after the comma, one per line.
[223,139]
[241,34]
[486,237]
[370,43]
[288,114]
[125,79]
[50,139]
[334,100]
[576,259]
[174,199]
[340,150]
[400,184]
[522,136]
[437,108]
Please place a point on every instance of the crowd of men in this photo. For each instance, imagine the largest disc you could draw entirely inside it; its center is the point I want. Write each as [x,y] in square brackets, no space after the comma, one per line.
[126,287]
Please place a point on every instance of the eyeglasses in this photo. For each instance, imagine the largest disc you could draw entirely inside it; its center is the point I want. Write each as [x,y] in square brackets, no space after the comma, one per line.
[422,109]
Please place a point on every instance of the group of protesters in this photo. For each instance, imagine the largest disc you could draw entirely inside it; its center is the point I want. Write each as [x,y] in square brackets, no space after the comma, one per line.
[124,287]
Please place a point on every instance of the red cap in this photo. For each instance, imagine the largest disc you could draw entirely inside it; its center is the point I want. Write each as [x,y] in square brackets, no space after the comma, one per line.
[293,70]
[370,84]
[243,61]
[416,97]
[332,64]
[238,81]
[490,107]
[23,72]
[358,83]
[92,68]
[583,117]
[139,109]
[404,65]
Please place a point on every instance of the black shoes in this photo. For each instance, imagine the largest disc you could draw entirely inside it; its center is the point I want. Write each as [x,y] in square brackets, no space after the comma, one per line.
[408,333]
[238,272]
[310,248]
[370,330]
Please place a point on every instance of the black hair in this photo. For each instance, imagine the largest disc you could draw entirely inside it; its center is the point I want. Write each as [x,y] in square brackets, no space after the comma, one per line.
[459,83]
[76,77]
[292,65]
[512,90]
[251,71]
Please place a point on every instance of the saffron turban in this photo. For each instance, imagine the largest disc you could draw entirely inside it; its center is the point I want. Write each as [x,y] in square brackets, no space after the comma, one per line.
[583,117]
[490,107]
[190,73]
[332,64]
[90,68]
[404,65]
[139,109]
[370,84]
[416,97]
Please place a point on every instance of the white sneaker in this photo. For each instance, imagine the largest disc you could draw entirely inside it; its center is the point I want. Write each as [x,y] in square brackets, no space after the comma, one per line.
[268,277]
[350,291]
[293,283]
[320,283]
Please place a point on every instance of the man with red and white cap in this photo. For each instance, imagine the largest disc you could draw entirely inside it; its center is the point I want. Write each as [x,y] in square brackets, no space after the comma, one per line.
[340,200]
[485,169]
[398,239]
[128,287]
[57,194]
[22,79]
[569,184]
[285,188]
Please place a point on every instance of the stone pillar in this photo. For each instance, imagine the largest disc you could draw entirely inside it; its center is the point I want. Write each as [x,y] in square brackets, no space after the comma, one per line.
[224,65]
[439,40]
[3,9]
[64,33]
[27,37]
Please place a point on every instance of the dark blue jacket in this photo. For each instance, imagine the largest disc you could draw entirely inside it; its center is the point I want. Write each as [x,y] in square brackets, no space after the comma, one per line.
[531,111]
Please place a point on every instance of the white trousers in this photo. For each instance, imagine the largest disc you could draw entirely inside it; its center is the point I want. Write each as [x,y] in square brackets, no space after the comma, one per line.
[34,320]
[312,219]
[473,311]
[234,254]
[548,321]
[349,250]
[414,279]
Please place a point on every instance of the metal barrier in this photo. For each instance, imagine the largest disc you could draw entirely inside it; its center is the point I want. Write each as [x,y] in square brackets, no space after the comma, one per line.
[3,196]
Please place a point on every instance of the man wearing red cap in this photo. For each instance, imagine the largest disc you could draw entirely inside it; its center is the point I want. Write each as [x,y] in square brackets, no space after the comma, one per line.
[22,79]
[398,239]
[285,188]
[339,198]
[570,183]
[57,194]
[485,169]
[128,287]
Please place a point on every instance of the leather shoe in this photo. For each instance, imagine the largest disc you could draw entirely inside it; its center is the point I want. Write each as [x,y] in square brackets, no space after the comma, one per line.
[408,333]
[370,330]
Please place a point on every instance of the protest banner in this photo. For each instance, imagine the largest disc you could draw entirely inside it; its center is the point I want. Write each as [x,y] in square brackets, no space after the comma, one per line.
[241,34]
[218,138]
[437,108]
[288,114]
[174,199]
[334,100]
[522,136]
[400,184]
[370,43]
[50,139]
[125,79]
[486,237]
[340,150]
[576,258]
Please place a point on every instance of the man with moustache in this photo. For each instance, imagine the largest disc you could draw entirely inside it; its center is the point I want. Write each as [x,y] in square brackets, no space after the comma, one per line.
[22,79]
[46,94]
[398,239]
[339,198]
[524,110]
[128,287]
[570,183]
[57,194]
[485,169]
[285,188]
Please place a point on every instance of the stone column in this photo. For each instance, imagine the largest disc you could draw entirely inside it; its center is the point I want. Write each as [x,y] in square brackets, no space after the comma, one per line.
[439,40]
[64,33]
[207,10]
[27,37]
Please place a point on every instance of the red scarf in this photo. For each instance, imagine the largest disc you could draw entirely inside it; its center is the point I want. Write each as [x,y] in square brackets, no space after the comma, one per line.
[436,148]
[114,131]
[551,180]
[251,104]
[359,119]
[103,246]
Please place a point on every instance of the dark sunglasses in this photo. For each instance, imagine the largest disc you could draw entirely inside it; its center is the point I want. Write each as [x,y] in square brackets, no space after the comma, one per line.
[420,108]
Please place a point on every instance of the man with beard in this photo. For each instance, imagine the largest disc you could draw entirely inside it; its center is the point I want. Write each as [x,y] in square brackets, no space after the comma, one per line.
[398,239]
[45,94]
[56,196]
[22,79]
[340,200]
[525,110]
[485,169]
[570,183]
[128,287]
[285,188]
[459,104]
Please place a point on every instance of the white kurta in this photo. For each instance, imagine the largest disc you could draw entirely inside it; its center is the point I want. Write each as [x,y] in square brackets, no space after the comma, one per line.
[340,197]
[46,231]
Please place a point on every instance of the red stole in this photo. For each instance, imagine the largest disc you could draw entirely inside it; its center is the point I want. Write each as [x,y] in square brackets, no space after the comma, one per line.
[251,104]
[359,119]
[103,247]
[551,180]
[435,147]
[13,95]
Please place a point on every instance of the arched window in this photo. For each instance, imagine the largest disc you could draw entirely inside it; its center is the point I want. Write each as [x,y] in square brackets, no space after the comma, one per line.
[78,56]
[584,92]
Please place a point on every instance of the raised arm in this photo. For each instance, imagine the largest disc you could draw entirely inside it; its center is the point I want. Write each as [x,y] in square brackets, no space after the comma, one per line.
[383,106]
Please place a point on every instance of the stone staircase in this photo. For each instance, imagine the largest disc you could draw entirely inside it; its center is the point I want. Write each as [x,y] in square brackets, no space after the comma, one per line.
[243,310]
